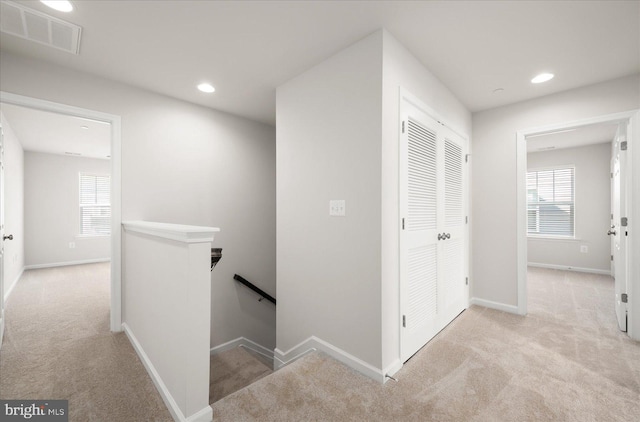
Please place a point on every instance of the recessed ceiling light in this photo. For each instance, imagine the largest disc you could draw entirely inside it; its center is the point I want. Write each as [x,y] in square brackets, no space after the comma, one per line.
[205,87]
[498,90]
[84,127]
[543,77]
[59,5]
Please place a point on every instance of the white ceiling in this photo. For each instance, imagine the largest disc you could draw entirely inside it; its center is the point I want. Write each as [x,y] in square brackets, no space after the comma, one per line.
[586,135]
[248,48]
[53,133]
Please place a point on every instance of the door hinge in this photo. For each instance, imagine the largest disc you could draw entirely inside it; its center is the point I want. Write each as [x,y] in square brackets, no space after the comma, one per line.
[611,175]
[404,321]
[623,146]
[612,257]
[466,281]
[466,220]
[403,126]
[624,221]
[403,224]
[624,298]
[466,158]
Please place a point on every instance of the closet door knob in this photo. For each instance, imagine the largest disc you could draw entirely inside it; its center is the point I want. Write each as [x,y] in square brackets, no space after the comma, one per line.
[10,237]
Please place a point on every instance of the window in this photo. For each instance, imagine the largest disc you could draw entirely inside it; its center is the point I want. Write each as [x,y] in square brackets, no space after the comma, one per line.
[95,205]
[550,202]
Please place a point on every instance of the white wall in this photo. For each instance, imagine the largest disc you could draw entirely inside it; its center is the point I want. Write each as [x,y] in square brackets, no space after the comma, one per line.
[592,210]
[13,206]
[328,147]
[51,210]
[402,69]
[169,328]
[186,164]
[494,235]
[337,138]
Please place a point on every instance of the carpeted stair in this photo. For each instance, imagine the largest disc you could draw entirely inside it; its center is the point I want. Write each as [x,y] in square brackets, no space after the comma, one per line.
[234,369]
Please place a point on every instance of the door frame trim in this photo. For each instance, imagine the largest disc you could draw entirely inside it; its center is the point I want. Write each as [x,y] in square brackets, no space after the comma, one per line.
[521,196]
[116,178]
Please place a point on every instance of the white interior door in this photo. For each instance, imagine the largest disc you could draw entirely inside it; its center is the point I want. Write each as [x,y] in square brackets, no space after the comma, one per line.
[433,233]
[1,235]
[618,231]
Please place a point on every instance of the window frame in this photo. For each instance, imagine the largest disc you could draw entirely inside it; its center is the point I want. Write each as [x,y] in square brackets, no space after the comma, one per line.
[538,235]
[83,205]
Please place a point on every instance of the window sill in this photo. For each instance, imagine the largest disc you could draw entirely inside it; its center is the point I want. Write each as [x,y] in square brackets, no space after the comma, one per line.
[554,238]
[92,236]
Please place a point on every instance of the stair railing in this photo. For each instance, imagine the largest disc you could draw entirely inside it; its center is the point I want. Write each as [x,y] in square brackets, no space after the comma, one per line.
[262,293]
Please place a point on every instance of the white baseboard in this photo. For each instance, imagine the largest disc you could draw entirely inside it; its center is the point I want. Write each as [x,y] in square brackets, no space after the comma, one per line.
[512,309]
[567,268]
[393,368]
[313,343]
[243,342]
[13,284]
[204,415]
[64,264]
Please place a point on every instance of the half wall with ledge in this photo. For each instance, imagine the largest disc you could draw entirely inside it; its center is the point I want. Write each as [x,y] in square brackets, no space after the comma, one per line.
[166,310]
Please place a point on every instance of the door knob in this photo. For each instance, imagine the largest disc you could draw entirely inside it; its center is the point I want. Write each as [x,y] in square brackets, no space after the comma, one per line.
[611,232]
[10,237]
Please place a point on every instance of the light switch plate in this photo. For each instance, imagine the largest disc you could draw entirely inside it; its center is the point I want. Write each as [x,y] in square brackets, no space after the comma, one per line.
[584,249]
[337,207]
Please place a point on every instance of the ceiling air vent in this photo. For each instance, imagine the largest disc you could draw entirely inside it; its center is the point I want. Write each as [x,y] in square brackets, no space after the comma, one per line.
[30,24]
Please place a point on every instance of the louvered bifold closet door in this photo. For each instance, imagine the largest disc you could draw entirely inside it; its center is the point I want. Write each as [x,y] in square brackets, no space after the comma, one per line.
[420,268]
[434,232]
[453,246]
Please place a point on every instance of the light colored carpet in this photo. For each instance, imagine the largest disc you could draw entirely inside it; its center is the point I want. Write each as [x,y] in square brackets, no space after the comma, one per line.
[233,370]
[58,345]
[565,361]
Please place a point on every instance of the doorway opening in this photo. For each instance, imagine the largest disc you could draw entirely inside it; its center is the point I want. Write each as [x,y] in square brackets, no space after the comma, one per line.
[96,224]
[528,216]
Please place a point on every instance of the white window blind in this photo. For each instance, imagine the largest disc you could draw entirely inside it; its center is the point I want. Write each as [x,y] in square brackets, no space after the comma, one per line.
[550,202]
[95,205]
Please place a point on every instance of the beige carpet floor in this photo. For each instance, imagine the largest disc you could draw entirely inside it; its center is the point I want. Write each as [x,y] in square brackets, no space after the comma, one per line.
[566,361]
[233,370]
[58,345]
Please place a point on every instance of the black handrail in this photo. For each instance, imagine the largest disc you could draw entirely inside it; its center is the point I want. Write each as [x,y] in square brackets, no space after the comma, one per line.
[255,289]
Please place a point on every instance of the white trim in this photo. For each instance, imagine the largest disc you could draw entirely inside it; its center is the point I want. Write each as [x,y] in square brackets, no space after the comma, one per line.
[313,343]
[246,343]
[204,415]
[521,188]
[116,182]
[177,232]
[65,264]
[567,268]
[12,285]
[416,102]
[494,305]
[394,367]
